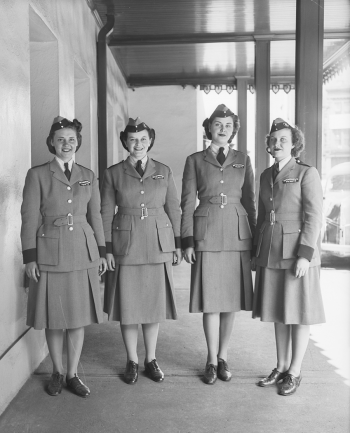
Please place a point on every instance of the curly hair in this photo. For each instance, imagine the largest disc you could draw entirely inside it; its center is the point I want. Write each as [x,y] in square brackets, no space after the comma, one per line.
[298,140]
[151,134]
[236,125]
[74,124]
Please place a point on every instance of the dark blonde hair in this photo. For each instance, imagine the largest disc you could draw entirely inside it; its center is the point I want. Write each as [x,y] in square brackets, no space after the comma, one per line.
[298,140]
[208,122]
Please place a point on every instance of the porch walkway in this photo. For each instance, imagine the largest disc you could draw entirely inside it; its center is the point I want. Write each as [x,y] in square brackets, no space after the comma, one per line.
[182,403]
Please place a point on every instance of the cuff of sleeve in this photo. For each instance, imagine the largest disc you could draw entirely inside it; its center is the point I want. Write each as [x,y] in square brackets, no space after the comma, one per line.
[187,242]
[102,251]
[109,248]
[306,252]
[29,255]
[177,242]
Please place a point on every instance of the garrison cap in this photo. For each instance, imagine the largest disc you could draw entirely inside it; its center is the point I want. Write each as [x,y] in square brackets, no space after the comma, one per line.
[278,124]
[136,125]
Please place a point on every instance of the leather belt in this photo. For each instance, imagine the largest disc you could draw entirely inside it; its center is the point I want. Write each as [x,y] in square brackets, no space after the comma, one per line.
[273,217]
[222,199]
[143,212]
[67,220]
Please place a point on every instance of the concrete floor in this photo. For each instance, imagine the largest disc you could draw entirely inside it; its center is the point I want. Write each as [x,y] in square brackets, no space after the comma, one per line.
[183,403]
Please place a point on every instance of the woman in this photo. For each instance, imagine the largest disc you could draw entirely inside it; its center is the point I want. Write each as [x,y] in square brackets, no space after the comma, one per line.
[287,287]
[63,251]
[142,239]
[217,236]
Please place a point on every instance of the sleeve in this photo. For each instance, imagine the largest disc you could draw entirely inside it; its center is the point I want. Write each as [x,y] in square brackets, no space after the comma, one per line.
[108,208]
[31,216]
[172,208]
[261,218]
[188,202]
[248,195]
[94,217]
[312,199]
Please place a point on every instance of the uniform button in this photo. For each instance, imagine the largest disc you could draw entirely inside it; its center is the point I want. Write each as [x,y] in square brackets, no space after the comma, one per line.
[270,198]
[168,225]
[141,180]
[142,218]
[222,206]
[299,230]
[142,204]
[142,192]
[43,234]
[69,201]
[221,169]
[69,188]
[221,193]
[117,228]
[221,181]
[70,228]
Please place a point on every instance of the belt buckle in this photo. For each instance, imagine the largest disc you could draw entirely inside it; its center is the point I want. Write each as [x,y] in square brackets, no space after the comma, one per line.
[272,218]
[70,219]
[144,213]
[223,199]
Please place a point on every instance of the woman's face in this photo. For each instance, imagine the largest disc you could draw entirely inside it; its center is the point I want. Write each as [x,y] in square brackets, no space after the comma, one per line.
[221,130]
[65,143]
[281,144]
[138,143]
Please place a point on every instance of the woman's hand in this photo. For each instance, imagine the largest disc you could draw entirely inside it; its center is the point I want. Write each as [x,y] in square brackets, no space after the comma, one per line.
[110,262]
[253,263]
[301,267]
[190,255]
[102,266]
[32,271]
[177,257]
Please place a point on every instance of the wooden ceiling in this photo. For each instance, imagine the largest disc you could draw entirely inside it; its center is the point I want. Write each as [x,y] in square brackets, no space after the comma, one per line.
[197,42]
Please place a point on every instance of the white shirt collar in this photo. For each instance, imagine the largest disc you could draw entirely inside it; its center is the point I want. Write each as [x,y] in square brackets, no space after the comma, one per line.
[284,162]
[133,161]
[61,163]
[215,149]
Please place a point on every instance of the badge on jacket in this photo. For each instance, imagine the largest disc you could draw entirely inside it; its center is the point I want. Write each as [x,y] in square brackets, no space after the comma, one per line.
[84,183]
[290,180]
[238,165]
[158,176]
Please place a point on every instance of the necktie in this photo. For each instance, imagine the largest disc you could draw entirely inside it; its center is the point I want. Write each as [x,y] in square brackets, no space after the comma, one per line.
[221,156]
[67,171]
[139,168]
[275,170]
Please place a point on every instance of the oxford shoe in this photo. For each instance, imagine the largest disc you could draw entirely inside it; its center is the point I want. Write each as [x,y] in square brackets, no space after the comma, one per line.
[289,385]
[210,374]
[273,378]
[78,387]
[55,385]
[153,371]
[223,370]
[131,372]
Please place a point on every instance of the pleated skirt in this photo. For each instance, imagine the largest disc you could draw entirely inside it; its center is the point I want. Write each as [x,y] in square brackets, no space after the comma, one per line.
[280,297]
[65,300]
[221,282]
[140,294]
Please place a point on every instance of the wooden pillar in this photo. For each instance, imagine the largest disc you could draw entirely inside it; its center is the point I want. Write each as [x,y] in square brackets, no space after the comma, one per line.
[242,114]
[308,77]
[262,89]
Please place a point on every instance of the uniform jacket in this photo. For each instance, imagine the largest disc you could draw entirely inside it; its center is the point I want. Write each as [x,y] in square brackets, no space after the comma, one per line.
[134,240]
[48,197]
[289,216]
[215,226]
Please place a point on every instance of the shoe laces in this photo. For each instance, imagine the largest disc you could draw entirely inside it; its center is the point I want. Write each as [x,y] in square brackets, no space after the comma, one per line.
[154,365]
[133,365]
[211,368]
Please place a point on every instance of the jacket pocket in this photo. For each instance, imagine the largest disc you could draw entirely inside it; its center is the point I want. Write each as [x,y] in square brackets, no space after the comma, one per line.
[200,223]
[244,231]
[165,235]
[291,236]
[121,236]
[48,245]
[261,235]
[91,242]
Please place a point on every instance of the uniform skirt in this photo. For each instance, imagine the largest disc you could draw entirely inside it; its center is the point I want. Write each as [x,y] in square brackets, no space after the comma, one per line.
[221,282]
[280,297]
[65,300]
[140,294]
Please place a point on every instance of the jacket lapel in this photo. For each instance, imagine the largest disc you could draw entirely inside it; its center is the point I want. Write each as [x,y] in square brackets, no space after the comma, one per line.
[230,158]
[57,172]
[209,157]
[285,170]
[150,168]
[76,174]
[129,169]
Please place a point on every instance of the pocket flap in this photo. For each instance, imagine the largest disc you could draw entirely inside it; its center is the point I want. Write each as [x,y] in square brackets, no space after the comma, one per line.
[201,211]
[292,226]
[122,224]
[163,223]
[48,231]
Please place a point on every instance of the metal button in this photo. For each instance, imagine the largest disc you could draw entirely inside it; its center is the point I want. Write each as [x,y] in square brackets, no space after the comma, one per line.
[142,218]
[142,192]
[117,228]
[168,225]
[43,234]
[142,204]
[221,169]
[221,193]
[222,206]
[69,201]
[270,198]
[70,228]
[221,181]
[69,188]
[141,180]
[299,230]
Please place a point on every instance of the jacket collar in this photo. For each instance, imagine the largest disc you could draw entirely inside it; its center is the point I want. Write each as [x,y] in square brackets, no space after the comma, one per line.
[59,174]
[284,172]
[230,158]
[131,171]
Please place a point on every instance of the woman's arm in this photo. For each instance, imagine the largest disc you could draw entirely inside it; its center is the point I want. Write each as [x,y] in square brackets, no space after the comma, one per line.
[108,205]
[248,195]
[188,202]
[172,208]
[94,217]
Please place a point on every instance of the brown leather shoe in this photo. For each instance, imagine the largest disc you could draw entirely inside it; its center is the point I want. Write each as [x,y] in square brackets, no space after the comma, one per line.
[131,372]
[55,385]
[210,374]
[153,371]
[223,370]
[78,387]
[289,385]
[273,378]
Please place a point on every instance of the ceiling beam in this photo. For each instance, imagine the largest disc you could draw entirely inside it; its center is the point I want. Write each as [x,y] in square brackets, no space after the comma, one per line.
[205,38]
[187,80]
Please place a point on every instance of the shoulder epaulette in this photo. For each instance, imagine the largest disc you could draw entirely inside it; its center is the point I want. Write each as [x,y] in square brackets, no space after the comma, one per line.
[160,163]
[83,166]
[42,165]
[302,163]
